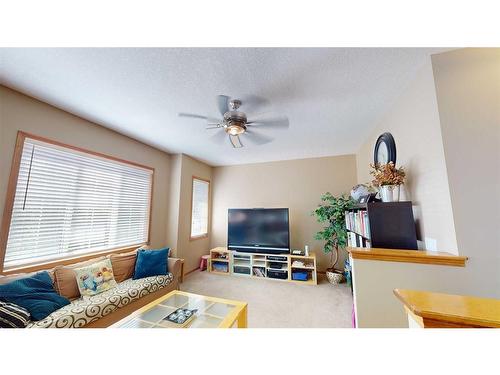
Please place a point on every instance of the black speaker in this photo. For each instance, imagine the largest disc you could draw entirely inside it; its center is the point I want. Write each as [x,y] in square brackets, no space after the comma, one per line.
[392,225]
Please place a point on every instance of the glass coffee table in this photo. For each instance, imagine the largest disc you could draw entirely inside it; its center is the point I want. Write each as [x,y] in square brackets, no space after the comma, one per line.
[211,312]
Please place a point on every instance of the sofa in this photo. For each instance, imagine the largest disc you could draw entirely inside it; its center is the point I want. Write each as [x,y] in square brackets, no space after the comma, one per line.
[106,308]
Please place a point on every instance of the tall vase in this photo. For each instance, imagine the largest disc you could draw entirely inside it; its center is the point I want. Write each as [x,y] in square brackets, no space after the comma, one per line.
[389,193]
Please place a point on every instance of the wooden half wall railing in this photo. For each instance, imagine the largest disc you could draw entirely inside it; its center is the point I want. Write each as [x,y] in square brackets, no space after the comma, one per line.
[408,256]
[439,310]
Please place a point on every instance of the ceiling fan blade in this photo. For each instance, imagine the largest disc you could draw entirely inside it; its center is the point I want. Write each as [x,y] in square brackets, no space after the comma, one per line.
[223,104]
[235,141]
[213,126]
[257,139]
[253,103]
[280,122]
[219,137]
[192,115]
[201,117]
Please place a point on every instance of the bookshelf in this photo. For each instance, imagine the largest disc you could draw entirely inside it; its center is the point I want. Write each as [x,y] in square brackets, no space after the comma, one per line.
[381,225]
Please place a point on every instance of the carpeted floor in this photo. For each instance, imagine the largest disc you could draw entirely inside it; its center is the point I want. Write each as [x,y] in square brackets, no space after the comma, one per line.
[276,304]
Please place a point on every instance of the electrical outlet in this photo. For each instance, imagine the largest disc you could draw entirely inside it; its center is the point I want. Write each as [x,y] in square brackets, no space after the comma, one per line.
[430,244]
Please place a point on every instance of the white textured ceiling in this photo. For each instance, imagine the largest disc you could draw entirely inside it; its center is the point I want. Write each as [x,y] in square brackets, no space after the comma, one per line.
[333,97]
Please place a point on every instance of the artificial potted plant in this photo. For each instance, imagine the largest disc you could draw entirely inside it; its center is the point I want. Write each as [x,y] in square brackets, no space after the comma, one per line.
[331,213]
[388,179]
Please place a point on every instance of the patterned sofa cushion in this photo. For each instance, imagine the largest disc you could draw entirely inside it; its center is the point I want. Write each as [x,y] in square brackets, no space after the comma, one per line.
[90,308]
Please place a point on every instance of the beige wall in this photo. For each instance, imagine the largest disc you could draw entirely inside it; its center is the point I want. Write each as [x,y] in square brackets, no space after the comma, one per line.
[173,202]
[468,92]
[413,120]
[184,168]
[20,112]
[296,184]
[375,281]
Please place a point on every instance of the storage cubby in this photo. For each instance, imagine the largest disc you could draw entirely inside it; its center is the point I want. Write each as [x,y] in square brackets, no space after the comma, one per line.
[219,261]
[303,269]
[269,266]
[219,267]
[242,265]
[259,260]
[278,275]
[273,265]
[242,271]
[258,257]
[301,275]
[259,271]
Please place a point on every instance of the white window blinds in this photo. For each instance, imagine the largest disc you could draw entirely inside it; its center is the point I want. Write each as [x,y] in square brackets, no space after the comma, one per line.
[68,203]
[199,211]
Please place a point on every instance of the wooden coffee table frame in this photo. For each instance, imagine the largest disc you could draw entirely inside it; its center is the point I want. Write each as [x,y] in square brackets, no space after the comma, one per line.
[238,315]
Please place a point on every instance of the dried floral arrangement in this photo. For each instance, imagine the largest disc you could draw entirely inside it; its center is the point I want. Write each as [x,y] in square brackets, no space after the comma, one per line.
[387,174]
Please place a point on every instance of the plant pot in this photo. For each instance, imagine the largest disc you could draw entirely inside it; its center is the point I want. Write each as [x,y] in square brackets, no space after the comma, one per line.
[335,277]
[389,193]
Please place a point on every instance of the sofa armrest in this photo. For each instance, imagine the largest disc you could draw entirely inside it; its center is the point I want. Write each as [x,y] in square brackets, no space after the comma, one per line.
[175,266]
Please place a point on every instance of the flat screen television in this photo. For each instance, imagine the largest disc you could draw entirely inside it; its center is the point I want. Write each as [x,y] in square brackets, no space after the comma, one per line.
[260,230]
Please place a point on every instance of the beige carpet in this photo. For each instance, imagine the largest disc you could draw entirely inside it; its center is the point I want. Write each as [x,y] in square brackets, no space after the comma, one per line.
[276,304]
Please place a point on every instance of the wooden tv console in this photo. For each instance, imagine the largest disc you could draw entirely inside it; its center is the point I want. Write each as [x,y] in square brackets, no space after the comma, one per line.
[261,266]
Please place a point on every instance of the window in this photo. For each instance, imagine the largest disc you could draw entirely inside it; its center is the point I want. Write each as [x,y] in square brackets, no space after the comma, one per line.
[69,202]
[199,208]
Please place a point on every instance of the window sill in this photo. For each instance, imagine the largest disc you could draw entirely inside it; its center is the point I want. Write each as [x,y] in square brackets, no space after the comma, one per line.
[199,237]
[65,261]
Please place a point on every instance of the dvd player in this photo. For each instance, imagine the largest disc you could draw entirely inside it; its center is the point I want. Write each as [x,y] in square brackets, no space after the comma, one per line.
[275,274]
[277,265]
[278,258]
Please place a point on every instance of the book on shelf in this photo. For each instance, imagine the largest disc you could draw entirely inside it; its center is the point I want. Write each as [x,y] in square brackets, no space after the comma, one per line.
[258,272]
[357,221]
[355,240]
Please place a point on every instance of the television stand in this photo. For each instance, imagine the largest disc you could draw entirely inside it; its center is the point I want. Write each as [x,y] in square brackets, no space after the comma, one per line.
[282,267]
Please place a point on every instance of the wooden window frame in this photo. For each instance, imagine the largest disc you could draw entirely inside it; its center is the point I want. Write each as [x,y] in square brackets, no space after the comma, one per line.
[204,235]
[9,206]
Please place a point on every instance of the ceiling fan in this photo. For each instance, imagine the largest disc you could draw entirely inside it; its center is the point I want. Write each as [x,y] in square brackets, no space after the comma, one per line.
[235,123]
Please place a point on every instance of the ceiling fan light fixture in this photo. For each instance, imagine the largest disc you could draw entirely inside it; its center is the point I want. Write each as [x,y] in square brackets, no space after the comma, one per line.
[235,128]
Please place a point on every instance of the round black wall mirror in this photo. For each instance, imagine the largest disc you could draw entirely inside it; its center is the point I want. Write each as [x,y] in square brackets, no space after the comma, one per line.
[385,149]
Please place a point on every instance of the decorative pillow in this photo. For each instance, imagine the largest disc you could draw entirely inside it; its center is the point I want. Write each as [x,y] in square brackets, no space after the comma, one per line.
[123,265]
[95,278]
[65,279]
[35,293]
[13,316]
[151,263]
